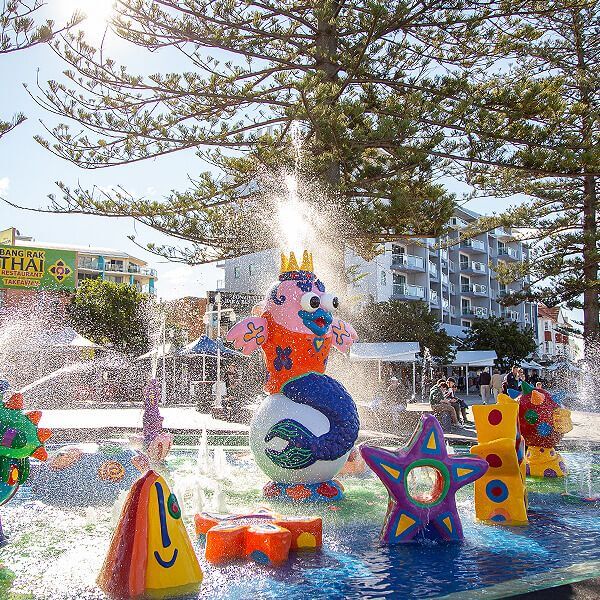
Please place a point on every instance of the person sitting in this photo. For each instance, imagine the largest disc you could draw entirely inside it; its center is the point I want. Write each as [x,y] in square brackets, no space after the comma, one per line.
[439,403]
[458,404]
[511,381]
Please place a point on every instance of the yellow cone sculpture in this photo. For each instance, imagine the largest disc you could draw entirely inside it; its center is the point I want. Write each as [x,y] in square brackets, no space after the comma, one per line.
[500,495]
[150,555]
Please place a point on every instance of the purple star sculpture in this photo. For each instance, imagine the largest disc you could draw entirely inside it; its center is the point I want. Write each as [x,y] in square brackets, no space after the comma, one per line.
[422,480]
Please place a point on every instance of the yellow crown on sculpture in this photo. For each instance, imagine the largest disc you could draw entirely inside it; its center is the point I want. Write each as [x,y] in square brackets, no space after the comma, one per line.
[291,264]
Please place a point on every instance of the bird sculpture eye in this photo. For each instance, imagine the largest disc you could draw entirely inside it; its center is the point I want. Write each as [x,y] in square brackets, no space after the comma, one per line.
[329,302]
[310,302]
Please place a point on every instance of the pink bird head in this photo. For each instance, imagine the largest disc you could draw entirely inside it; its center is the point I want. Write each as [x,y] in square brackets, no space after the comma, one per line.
[300,303]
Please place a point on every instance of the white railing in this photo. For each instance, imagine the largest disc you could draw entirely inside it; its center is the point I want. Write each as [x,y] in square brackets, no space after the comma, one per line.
[115,267]
[452,288]
[476,288]
[433,270]
[408,260]
[508,252]
[433,297]
[403,289]
[475,244]
[477,311]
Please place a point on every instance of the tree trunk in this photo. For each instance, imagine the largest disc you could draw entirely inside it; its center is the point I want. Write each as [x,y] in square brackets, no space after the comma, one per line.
[326,42]
[591,308]
[331,256]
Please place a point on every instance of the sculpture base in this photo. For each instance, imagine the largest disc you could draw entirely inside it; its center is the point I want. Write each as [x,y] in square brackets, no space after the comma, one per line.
[544,462]
[327,491]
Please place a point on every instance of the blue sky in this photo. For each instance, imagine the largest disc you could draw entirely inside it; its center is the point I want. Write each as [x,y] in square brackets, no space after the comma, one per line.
[28,172]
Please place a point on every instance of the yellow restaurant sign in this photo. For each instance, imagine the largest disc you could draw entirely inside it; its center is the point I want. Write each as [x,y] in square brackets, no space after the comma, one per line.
[37,268]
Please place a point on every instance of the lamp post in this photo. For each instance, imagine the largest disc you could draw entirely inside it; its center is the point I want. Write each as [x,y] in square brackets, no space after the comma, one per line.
[207,319]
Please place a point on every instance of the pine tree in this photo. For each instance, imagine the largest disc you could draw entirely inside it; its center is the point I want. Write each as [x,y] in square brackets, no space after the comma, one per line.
[19,31]
[547,148]
[363,80]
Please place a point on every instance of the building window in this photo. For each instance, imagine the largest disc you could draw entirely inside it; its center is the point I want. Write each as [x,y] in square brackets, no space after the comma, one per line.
[546,326]
[236,272]
[398,249]
[547,347]
[251,270]
[464,261]
[2,297]
[383,278]
[466,323]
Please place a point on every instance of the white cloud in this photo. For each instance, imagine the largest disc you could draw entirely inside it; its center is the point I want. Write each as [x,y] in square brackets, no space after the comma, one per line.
[4,185]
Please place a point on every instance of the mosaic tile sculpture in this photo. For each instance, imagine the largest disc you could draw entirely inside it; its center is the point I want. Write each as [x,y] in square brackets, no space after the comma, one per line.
[151,554]
[501,494]
[304,431]
[419,513]
[20,440]
[262,536]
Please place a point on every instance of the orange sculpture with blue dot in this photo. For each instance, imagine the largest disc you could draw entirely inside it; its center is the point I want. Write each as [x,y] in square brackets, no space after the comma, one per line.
[262,536]
[151,554]
[501,494]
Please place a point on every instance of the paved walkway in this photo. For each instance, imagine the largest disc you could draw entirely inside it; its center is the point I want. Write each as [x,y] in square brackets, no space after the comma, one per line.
[102,422]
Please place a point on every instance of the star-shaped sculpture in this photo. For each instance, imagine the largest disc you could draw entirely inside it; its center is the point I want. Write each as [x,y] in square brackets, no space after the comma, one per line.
[415,512]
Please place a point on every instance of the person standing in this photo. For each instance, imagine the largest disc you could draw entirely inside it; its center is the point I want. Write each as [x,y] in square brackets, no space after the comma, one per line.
[485,380]
[496,384]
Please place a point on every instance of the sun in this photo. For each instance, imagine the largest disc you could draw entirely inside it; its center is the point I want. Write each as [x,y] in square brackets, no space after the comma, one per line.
[97,13]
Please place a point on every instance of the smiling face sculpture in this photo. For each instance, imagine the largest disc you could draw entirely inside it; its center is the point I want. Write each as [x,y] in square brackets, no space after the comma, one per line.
[151,555]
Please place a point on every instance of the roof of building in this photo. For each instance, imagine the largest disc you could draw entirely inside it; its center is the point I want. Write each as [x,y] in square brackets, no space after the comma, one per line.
[475,358]
[547,312]
[95,250]
[385,351]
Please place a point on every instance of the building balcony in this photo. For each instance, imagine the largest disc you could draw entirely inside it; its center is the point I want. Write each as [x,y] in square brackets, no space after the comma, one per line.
[88,265]
[114,267]
[512,315]
[474,289]
[509,253]
[434,298]
[433,270]
[403,291]
[480,312]
[137,270]
[408,262]
[476,268]
[474,246]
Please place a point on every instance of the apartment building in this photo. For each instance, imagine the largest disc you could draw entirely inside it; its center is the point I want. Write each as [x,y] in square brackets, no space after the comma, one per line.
[456,277]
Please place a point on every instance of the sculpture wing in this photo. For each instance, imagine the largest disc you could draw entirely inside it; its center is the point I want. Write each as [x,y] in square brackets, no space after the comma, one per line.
[344,335]
[249,334]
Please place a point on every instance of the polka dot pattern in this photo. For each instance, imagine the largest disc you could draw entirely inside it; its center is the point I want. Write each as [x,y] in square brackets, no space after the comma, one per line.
[496,490]
[493,460]
[531,416]
[495,417]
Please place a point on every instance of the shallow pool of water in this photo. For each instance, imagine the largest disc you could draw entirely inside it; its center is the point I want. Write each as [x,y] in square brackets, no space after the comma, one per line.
[56,552]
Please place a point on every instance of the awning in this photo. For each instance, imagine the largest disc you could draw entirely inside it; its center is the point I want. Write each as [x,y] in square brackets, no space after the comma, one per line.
[67,337]
[205,346]
[475,358]
[385,351]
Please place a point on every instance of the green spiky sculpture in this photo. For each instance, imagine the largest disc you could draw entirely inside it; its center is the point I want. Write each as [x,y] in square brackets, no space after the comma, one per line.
[20,440]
